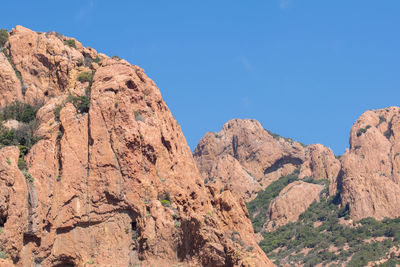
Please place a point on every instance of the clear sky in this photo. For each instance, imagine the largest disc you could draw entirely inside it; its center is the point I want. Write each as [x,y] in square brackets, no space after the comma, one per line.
[305,69]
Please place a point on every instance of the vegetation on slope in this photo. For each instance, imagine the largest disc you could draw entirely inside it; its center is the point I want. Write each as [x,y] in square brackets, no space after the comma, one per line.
[259,206]
[318,237]
[24,136]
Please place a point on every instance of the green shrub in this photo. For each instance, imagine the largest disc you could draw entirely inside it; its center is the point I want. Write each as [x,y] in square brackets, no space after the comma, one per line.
[139,117]
[258,207]
[363,130]
[81,103]
[3,255]
[59,135]
[24,136]
[294,237]
[20,111]
[381,119]
[70,43]
[165,199]
[97,60]
[22,164]
[28,177]
[85,77]
[56,112]
[165,202]
[3,37]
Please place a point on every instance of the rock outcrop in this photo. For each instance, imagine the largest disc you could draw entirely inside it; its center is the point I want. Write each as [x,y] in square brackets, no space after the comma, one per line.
[10,86]
[264,157]
[321,163]
[246,158]
[228,173]
[370,177]
[292,201]
[115,184]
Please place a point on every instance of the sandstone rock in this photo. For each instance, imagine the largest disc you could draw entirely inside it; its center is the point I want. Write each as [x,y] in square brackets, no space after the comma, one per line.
[292,201]
[321,163]
[227,172]
[117,185]
[10,86]
[48,66]
[371,167]
[263,156]
[13,202]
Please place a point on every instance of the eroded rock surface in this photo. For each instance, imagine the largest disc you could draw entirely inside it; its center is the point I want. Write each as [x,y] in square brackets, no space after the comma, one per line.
[292,201]
[371,167]
[114,186]
[321,163]
[263,157]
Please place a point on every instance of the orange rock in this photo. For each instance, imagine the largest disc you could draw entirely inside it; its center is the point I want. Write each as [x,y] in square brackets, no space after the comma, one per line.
[10,86]
[117,185]
[321,163]
[263,157]
[227,172]
[292,201]
[371,167]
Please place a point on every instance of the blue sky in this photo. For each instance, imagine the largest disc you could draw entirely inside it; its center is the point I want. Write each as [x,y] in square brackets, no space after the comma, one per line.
[305,69]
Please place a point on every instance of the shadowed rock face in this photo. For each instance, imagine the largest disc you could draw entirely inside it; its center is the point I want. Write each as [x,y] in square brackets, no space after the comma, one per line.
[115,186]
[371,167]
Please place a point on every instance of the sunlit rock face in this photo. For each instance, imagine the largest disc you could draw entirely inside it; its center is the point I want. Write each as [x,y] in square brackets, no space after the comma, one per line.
[370,174]
[112,181]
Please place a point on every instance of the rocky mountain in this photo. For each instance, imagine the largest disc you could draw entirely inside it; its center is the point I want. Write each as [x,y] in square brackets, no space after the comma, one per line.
[299,196]
[370,180]
[94,169]
[258,156]
[292,201]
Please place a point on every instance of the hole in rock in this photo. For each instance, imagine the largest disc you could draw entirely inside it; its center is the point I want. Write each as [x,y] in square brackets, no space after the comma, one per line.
[130,84]
[133,226]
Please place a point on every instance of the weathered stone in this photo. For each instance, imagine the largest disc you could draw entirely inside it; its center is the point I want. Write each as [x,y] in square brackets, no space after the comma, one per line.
[371,167]
[117,185]
[292,201]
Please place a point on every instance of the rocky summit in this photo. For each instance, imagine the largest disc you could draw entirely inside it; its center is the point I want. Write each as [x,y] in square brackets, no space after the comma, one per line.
[94,169]
[308,206]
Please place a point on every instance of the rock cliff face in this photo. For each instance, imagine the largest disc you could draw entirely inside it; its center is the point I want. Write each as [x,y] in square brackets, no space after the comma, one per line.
[115,184]
[371,167]
[247,158]
[263,157]
[321,163]
[292,201]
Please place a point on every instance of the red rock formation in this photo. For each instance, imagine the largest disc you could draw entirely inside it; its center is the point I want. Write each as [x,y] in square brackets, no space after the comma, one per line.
[264,157]
[227,173]
[10,86]
[371,167]
[321,163]
[292,201]
[117,185]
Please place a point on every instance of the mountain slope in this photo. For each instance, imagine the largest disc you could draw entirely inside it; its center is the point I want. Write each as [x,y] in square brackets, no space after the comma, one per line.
[111,180]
